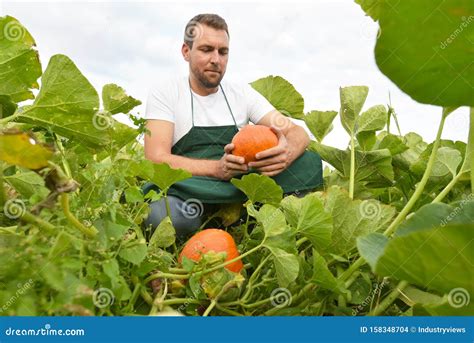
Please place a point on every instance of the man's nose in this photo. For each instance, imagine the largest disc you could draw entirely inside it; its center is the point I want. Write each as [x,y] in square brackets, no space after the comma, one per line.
[215,57]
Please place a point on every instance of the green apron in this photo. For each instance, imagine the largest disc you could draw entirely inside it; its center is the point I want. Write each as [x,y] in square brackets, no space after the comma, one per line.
[207,142]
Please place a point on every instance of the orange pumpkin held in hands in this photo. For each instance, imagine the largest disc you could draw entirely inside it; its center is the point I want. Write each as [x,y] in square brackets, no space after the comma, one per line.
[252,139]
[212,240]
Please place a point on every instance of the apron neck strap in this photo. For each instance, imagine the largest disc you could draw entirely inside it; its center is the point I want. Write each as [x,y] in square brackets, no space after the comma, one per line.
[225,97]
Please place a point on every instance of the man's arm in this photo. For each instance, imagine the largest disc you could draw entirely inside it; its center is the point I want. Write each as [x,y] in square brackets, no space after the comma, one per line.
[293,141]
[158,149]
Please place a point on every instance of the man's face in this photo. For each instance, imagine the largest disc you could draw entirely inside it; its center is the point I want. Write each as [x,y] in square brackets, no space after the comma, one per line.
[208,56]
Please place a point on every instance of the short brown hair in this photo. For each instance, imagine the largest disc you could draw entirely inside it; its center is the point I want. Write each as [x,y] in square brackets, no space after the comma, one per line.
[191,32]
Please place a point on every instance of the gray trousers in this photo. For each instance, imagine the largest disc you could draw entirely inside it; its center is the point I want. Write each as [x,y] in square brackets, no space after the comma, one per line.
[186,217]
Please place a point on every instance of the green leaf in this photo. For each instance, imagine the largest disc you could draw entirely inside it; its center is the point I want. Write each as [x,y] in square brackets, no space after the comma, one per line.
[259,188]
[320,123]
[371,247]
[374,166]
[112,270]
[62,244]
[374,119]
[352,101]
[309,218]
[22,150]
[272,220]
[28,183]
[434,215]
[7,106]
[281,94]
[353,218]
[69,105]
[19,62]
[54,277]
[109,232]
[133,195]
[431,258]
[322,276]
[446,162]
[426,49]
[164,176]
[135,253]
[393,143]
[366,140]
[164,235]
[286,266]
[371,7]
[116,100]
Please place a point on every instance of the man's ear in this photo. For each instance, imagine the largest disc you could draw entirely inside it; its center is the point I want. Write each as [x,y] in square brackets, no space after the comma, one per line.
[185,50]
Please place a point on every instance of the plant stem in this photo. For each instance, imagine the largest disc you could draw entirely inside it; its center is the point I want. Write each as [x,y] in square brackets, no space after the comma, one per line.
[421,185]
[389,299]
[67,169]
[166,275]
[42,224]
[210,308]
[448,188]
[353,267]
[90,232]
[9,118]
[352,171]
[177,301]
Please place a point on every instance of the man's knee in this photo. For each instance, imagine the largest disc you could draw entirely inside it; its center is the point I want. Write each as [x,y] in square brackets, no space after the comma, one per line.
[186,218]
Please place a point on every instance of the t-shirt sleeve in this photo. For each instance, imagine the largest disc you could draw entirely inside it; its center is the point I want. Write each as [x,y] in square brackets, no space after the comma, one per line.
[257,105]
[159,104]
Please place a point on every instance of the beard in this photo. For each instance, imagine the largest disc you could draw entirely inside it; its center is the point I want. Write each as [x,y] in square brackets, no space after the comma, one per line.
[205,81]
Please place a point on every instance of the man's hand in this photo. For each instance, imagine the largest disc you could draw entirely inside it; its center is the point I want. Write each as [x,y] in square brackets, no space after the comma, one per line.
[273,161]
[230,165]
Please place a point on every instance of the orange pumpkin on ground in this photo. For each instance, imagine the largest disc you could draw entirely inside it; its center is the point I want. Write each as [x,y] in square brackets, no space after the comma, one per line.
[212,240]
[252,139]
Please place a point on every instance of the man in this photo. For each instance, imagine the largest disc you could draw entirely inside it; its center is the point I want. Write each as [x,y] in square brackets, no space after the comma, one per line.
[192,121]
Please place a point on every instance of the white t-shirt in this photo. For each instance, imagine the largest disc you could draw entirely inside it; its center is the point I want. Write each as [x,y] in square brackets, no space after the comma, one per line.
[171,101]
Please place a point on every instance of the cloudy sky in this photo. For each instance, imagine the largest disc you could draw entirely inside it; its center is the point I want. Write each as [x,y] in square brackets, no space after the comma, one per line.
[318,46]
